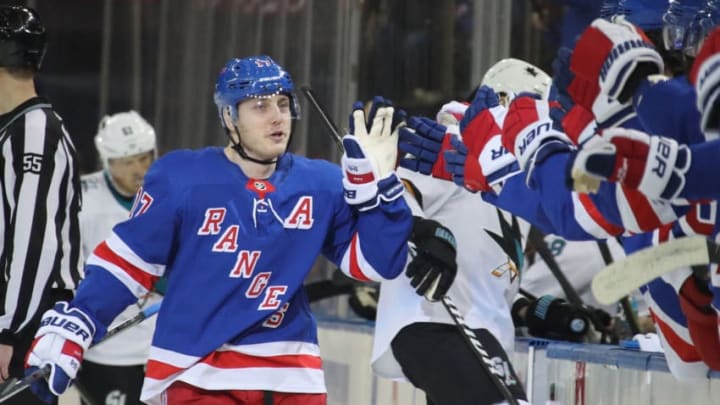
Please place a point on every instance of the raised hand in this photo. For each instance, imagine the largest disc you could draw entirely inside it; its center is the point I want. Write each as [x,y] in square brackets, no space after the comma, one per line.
[370,155]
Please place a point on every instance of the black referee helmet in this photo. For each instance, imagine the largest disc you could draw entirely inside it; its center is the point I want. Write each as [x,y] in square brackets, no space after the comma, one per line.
[22,38]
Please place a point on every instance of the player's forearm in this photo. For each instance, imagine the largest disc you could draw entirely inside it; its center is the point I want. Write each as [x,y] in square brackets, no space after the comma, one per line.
[382,235]
[102,296]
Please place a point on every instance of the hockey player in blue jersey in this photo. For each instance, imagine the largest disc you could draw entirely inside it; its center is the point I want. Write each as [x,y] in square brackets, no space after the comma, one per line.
[235,230]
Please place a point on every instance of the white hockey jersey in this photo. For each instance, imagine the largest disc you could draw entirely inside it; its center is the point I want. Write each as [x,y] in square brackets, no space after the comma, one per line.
[101,210]
[485,283]
[579,261]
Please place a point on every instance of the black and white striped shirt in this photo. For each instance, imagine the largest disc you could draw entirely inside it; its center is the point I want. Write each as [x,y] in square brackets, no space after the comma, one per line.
[40,197]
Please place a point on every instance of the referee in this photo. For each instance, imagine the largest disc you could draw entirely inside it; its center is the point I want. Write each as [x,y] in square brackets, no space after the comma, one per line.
[39,196]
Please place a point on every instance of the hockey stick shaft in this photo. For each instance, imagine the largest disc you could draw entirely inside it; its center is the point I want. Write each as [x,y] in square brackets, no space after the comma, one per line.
[477,348]
[538,242]
[625,300]
[28,380]
[638,269]
[334,131]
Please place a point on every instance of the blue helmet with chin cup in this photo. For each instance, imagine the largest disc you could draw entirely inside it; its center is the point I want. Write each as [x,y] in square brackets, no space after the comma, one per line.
[705,20]
[677,21]
[646,14]
[252,77]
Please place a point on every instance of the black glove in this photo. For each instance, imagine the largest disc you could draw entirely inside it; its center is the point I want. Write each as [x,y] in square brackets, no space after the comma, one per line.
[553,318]
[433,268]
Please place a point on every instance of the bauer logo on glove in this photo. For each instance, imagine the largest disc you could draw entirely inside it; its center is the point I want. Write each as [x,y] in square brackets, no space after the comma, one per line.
[541,128]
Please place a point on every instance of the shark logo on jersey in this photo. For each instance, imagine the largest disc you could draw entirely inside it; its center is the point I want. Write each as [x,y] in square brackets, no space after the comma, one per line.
[511,243]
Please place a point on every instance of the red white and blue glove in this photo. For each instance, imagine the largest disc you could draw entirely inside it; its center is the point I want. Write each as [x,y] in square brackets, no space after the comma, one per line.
[654,165]
[530,134]
[370,155]
[579,124]
[586,94]
[705,75]
[479,162]
[615,56]
[64,335]
[423,141]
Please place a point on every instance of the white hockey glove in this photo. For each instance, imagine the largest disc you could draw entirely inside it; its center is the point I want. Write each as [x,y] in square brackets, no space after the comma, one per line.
[377,133]
[370,155]
[64,335]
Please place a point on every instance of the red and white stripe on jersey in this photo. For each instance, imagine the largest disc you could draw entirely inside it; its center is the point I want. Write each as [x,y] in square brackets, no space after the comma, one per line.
[639,213]
[682,357]
[355,265]
[591,220]
[116,257]
[275,366]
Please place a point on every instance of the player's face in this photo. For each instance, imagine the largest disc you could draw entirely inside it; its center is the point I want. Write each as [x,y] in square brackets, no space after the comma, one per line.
[265,125]
[128,172]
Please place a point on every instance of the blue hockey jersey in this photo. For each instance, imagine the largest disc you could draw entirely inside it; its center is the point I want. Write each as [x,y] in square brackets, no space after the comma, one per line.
[235,252]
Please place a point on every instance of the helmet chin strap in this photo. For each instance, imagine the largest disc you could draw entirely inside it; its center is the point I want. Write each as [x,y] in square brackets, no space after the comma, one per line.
[237,147]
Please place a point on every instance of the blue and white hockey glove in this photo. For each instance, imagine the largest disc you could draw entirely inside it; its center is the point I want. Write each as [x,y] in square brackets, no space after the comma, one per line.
[433,268]
[371,154]
[64,335]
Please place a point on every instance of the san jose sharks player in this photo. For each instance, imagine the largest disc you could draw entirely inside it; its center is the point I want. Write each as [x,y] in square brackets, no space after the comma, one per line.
[235,230]
[483,253]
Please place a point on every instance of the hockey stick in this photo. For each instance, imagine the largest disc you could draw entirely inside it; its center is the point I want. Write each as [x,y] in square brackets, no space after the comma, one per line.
[537,239]
[468,334]
[481,354]
[334,131]
[625,300]
[636,270]
[15,388]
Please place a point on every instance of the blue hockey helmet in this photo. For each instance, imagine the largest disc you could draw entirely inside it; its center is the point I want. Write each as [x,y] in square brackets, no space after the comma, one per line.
[22,38]
[252,77]
[705,20]
[677,20]
[646,14]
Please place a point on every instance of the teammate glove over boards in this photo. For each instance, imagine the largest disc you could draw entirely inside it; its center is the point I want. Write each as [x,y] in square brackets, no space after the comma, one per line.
[371,154]
[65,334]
[705,75]
[433,267]
[424,141]
[615,56]
[479,162]
[530,134]
[618,55]
[654,165]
